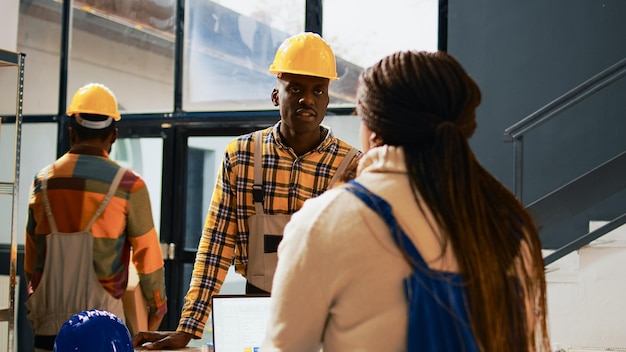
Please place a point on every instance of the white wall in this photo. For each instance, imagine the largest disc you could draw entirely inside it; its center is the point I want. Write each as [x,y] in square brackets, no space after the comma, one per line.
[585,295]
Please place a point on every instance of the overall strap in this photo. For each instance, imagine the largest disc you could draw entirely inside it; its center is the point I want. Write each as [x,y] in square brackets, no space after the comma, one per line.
[46,202]
[257,187]
[105,201]
[342,167]
[380,206]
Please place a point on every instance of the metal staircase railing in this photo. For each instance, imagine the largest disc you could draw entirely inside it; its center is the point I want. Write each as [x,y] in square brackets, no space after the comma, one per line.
[584,240]
[576,196]
[586,190]
[516,132]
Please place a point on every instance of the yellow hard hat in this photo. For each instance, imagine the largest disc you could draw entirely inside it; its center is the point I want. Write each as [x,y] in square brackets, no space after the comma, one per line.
[94,98]
[305,54]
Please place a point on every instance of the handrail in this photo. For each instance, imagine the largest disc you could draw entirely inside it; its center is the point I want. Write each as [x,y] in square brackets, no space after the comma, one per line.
[578,194]
[584,240]
[515,132]
[567,100]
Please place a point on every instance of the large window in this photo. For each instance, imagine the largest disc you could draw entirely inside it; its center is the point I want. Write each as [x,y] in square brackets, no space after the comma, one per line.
[129,47]
[228,47]
[39,37]
[126,45]
[362,33]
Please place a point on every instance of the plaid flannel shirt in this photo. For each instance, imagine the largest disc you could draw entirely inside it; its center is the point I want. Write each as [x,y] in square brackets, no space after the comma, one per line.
[288,180]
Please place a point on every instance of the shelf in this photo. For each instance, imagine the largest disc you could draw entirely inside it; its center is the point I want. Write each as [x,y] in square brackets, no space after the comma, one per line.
[13,59]
[9,58]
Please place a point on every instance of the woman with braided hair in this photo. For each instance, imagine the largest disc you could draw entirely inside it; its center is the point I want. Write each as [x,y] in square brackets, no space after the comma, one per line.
[424,250]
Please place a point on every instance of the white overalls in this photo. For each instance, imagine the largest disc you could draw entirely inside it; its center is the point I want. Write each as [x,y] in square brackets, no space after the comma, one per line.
[266,230]
[69,283]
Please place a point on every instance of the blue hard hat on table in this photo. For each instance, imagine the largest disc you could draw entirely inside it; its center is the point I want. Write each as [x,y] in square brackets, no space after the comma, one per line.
[94,331]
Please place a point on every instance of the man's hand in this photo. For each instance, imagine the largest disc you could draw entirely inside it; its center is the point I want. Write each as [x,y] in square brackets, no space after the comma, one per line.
[161,340]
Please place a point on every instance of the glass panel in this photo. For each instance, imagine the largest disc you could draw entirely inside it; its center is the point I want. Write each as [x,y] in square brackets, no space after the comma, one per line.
[204,159]
[375,31]
[6,206]
[345,127]
[42,135]
[7,180]
[127,46]
[9,80]
[372,32]
[7,150]
[145,157]
[229,46]
[39,36]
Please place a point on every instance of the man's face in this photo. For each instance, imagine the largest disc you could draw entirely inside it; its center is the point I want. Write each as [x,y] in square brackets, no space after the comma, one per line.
[302,101]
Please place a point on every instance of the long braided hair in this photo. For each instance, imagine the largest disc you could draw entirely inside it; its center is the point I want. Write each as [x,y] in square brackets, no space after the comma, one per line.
[426,103]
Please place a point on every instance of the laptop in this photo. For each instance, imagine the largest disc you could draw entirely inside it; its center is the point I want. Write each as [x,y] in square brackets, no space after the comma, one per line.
[239,322]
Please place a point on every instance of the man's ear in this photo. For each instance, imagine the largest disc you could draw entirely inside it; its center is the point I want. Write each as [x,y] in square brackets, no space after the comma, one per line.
[72,135]
[113,136]
[275,96]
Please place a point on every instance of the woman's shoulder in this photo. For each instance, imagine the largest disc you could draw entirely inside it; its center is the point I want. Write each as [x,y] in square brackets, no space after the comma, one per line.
[326,209]
[334,209]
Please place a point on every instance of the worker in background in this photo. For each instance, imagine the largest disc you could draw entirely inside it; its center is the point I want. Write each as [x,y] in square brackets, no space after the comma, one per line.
[265,177]
[86,215]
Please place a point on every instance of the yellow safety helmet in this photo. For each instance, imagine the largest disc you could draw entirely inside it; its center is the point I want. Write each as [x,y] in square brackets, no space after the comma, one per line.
[305,54]
[94,98]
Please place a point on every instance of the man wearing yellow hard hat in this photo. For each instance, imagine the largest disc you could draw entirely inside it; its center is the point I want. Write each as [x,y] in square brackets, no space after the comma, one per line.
[85,214]
[265,177]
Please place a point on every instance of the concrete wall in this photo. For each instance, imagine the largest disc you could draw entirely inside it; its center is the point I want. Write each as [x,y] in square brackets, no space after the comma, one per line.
[584,295]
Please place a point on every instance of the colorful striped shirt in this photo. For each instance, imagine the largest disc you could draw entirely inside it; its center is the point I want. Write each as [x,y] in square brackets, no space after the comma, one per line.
[77,184]
[288,180]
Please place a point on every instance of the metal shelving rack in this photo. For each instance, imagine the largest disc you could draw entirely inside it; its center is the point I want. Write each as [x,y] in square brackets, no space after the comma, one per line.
[11,188]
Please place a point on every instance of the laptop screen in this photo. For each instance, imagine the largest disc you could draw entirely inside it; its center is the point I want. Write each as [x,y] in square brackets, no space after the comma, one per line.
[239,322]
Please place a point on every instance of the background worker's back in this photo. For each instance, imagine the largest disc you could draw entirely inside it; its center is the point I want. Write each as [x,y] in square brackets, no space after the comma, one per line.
[85,215]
